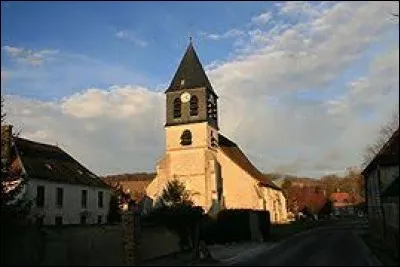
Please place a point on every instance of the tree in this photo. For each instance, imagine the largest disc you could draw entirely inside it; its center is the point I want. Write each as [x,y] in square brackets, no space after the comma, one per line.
[385,132]
[175,195]
[175,210]
[14,207]
[326,209]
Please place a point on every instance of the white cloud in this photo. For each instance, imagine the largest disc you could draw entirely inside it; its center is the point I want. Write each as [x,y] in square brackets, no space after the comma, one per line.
[120,129]
[4,75]
[303,8]
[132,37]
[263,18]
[29,56]
[124,133]
[229,34]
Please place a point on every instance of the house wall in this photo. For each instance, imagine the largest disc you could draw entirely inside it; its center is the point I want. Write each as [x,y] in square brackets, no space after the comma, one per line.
[241,191]
[374,205]
[388,175]
[203,168]
[239,188]
[71,209]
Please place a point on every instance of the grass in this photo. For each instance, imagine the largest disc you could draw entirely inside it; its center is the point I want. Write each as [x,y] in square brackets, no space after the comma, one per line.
[378,248]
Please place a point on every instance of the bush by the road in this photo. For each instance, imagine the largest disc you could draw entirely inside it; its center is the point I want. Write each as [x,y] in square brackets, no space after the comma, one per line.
[233,225]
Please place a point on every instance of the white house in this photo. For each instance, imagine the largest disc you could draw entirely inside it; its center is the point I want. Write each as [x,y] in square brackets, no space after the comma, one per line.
[62,191]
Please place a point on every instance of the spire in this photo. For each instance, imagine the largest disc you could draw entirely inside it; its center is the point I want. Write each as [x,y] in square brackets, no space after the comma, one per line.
[190,73]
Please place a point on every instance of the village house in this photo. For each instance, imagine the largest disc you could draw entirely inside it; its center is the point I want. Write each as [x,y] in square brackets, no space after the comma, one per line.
[61,189]
[382,192]
[346,204]
[213,168]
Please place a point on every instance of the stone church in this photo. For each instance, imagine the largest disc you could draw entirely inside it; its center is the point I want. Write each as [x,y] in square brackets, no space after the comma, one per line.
[213,168]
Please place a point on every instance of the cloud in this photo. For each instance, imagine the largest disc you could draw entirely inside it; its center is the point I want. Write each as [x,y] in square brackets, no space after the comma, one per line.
[4,75]
[299,88]
[122,134]
[29,56]
[263,18]
[303,8]
[130,36]
[229,34]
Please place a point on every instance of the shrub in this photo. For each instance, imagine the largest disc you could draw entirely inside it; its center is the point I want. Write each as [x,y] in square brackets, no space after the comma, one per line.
[233,225]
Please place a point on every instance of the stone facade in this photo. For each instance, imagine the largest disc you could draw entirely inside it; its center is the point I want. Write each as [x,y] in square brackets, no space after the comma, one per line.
[216,177]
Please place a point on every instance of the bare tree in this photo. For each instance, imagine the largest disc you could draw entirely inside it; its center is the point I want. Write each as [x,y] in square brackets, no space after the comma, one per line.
[13,206]
[385,132]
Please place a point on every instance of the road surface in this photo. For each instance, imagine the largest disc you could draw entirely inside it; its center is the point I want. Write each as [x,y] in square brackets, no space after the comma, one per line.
[330,246]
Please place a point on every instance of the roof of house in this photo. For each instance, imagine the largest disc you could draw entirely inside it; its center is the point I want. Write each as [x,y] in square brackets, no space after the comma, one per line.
[388,155]
[48,162]
[341,197]
[233,151]
[132,183]
[139,176]
[190,73]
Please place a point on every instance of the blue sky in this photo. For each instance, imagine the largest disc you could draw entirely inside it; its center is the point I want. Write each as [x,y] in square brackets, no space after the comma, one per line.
[314,74]
[160,30]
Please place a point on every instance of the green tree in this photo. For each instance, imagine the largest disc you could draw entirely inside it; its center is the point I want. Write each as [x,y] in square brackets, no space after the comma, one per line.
[175,210]
[175,195]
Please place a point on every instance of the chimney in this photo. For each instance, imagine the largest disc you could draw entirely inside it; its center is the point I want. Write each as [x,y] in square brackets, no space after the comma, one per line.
[6,135]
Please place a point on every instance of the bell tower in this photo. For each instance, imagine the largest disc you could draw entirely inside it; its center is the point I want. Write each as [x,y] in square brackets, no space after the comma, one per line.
[190,96]
[191,132]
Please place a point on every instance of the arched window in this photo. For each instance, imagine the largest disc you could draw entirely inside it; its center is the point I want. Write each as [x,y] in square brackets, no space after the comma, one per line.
[177,107]
[194,106]
[186,138]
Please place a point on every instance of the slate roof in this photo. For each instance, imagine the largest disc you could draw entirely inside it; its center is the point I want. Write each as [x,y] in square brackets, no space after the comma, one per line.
[191,72]
[233,151]
[51,163]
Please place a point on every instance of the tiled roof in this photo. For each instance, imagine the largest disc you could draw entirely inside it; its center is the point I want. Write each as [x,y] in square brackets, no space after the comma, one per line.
[48,162]
[135,183]
[190,73]
[140,176]
[236,155]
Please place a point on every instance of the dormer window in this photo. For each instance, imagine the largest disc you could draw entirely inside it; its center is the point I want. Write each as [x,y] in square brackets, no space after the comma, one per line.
[177,107]
[194,106]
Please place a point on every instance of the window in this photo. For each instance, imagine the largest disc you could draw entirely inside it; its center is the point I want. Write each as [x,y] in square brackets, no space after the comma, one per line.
[177,107]
[59,196]
[99,219]
[40,196]
[84,199]
[100,199]
[59,220]
[186,138]
[83,218]
[194,106]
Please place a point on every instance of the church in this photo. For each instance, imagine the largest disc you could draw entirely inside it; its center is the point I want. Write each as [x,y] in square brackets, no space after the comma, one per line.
[213,168]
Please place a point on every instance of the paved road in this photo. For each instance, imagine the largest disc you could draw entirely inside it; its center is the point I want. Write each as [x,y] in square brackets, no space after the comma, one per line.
[333,246]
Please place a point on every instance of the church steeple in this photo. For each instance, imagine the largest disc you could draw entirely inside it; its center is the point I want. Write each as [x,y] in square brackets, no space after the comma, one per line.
[190,96]
[190,73]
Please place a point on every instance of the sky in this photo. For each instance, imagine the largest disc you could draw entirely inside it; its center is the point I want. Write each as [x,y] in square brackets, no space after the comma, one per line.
[303,86]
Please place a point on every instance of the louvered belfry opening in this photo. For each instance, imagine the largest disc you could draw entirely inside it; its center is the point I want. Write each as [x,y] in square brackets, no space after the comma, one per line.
[177,108]
[194,106]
